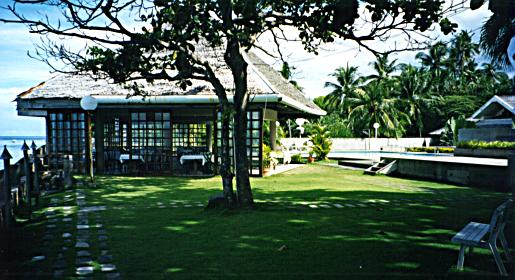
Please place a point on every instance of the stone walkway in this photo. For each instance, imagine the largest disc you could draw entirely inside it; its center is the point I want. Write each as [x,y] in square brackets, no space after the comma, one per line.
[81,239]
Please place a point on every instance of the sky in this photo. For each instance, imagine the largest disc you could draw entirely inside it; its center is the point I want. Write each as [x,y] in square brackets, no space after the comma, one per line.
[19,72]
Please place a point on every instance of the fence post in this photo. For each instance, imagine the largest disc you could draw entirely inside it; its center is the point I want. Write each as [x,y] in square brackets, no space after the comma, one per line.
[7,186]
[511,170]
[26,164]
[36,171]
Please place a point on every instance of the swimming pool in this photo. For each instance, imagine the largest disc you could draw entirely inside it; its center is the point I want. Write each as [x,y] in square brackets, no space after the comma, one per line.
[375,155]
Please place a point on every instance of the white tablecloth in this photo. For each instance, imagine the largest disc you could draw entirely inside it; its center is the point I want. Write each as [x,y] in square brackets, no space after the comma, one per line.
[193,157]
[126,157]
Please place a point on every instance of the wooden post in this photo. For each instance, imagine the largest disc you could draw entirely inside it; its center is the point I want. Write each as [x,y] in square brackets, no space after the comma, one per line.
[89,148]
[37,164]
[511,170]
[7,186]
[26,164]
[273,135]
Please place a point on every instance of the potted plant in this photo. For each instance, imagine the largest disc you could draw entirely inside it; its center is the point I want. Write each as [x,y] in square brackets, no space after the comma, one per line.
[310,156]
[269,162]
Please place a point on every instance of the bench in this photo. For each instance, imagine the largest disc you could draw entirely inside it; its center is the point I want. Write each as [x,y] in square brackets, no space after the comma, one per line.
[473,235]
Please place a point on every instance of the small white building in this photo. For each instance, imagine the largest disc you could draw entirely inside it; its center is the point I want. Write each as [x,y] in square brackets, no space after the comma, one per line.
[494,121]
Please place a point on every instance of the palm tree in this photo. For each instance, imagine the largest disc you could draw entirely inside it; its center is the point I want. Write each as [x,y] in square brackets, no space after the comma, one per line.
[414,86]
[498,31]
[435,59]
[348,81]
[462,52]
[373,104]
[383,67]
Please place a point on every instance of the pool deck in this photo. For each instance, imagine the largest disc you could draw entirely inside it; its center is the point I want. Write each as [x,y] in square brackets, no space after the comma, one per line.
[452,159]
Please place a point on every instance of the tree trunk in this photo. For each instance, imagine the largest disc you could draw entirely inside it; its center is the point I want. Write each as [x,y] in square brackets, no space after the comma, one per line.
[238,65]
[225,165]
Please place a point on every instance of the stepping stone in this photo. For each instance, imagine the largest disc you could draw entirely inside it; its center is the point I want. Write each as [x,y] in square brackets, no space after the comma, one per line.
[83,261]
[102,238]
[83,238]
[66,208]
[325,206]
[83,253]
[82,244]
[161,206]
[67,235]
[105,259]
[53,220]
[159,203]
[82,226]
[84,270]
[361,205]
[38,258]
[187,205]
[349,205]
[60,264]
[66,220]
[64,248]
[93,208]
[104,252]
[338,205]
[103,246]
[59,273]
[200,205]
[113,276]
[48,237]
[107,267]
[313,206]
[51,226]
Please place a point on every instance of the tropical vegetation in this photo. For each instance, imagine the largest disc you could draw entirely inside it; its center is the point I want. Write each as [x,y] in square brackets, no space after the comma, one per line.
[447,85]
[321,142]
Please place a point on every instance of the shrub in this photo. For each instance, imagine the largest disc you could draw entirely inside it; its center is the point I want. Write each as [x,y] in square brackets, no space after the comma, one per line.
[297,158]
[430,149]
[487,145]
[268,160]
[321,142]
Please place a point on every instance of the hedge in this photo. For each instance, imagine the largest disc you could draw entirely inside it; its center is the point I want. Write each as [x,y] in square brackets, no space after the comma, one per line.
[430,150]
[505,145]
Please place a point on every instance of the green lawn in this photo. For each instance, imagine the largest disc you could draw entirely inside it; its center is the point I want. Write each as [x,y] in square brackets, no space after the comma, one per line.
[408,235]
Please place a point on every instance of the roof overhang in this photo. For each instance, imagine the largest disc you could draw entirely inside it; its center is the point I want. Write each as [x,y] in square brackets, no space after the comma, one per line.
[492,102]
[205,99]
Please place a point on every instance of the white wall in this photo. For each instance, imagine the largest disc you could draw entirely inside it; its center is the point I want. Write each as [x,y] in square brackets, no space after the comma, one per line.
[373,144]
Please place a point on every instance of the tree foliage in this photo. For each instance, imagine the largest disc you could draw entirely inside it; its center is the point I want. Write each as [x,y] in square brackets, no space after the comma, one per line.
[164,39]
[414,100]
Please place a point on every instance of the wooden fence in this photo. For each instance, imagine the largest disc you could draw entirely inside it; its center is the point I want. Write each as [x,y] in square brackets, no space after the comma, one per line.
[20,184]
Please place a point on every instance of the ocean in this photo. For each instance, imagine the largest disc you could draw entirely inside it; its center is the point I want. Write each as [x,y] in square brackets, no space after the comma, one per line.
[14,143]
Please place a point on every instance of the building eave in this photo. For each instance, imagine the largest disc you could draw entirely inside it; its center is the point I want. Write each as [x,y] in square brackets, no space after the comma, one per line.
[494,99]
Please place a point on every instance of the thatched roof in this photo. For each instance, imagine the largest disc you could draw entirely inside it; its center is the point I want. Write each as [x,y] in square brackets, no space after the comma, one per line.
[262,79]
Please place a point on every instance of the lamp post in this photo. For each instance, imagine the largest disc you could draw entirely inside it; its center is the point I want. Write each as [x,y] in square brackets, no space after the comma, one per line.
[300,122]
[88,104]
[376,126]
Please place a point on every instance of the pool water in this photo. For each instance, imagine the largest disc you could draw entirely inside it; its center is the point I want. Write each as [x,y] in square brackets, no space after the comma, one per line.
[378,154]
